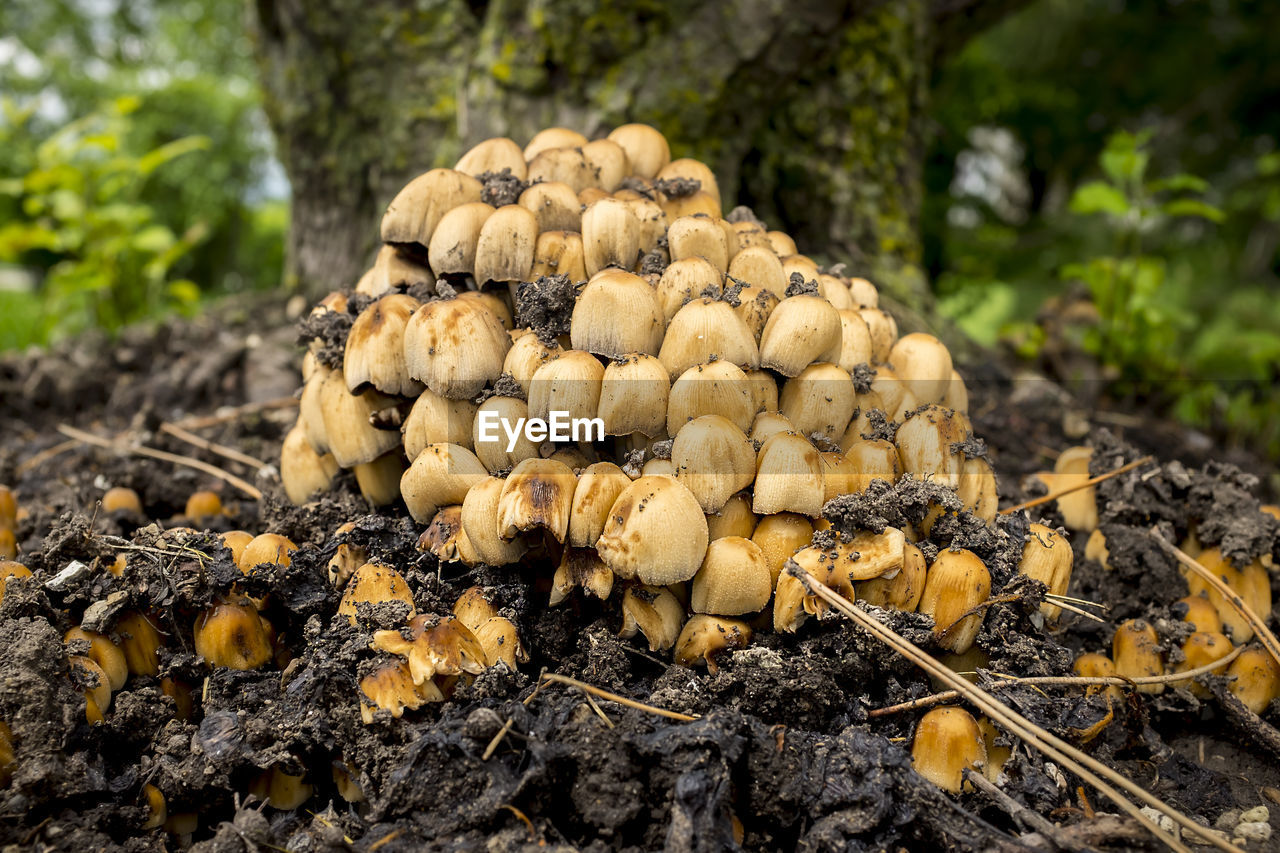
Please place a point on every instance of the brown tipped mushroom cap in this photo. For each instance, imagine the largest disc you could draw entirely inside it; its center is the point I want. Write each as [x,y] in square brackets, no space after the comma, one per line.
[714,459]
[598,487]
[455,346]
[434,646]
[801,330]
[646,148]
[439,476]
[303,472]
[610,236]
[493,155]
[1135,648]
[537,493]
[947,742]
[415,212]
[925,441]
[374,583]
[716,388]
[232,635]
[655,531]
[634,395]
[374,355]
[390,688]
[1047,557]
[352,438]
[788,476]
[569,383]
[653,611]
[819,399]
[617,313]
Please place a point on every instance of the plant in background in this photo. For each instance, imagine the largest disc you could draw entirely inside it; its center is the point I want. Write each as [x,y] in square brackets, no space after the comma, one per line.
[77,212]
[1213,357]
[1139,325]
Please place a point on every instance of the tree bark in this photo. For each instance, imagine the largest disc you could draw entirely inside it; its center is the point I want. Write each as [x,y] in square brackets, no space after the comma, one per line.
[810,111]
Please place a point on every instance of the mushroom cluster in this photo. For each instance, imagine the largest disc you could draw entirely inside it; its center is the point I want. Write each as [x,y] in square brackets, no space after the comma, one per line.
[727,387]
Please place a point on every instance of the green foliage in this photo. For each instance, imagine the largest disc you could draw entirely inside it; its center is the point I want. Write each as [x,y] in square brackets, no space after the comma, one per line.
[1139,324]
[107,257]
[1174,235]
[185,71]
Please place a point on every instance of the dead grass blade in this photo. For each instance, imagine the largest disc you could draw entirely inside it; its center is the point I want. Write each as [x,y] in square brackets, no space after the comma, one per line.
[1258,623]
[142,450]
[1061,681]
[614,697]
[213,447]
[1093,481]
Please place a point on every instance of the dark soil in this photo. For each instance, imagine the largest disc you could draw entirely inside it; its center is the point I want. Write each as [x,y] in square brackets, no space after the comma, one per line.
[783,749]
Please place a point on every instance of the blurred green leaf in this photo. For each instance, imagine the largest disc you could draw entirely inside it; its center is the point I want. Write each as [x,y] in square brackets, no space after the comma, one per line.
[1192,207]
[1178,183]
[153,240]
[1099,197]
[152,160]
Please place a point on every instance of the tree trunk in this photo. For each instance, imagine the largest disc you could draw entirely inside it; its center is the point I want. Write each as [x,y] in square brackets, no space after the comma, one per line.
[810,111]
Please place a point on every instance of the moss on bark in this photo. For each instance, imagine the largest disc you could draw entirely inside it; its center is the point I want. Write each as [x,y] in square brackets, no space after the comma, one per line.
[810,111]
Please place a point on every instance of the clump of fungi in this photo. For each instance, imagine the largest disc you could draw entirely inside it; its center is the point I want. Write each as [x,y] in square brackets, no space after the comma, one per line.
[727,389]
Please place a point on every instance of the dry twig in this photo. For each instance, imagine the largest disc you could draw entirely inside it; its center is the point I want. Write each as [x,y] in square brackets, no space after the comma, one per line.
[45,455]
[1054,495]
[213,447]
[1061,681]
[614,697]
[1258,623]
[497,739]
[142,450]
[1016,810]
[202,421]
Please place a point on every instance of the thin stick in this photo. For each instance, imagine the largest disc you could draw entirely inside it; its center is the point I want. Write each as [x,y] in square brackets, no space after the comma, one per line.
[497,739]
[1259,624]
[203,421]
[46,454]
[1061,681]
[614,697]
[1079,611]
[1053,596]
[599,711]
[1097,774]
[213,447]
[143,450]
[1053,496]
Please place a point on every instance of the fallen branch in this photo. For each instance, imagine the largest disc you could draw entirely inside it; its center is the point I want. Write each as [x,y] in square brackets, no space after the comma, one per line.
[1061,681]
[614,697]
[164,456]
[1054,495]
[1100,776]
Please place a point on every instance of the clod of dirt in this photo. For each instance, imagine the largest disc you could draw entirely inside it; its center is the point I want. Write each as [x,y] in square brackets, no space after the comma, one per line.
[501,188]
[546,306]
